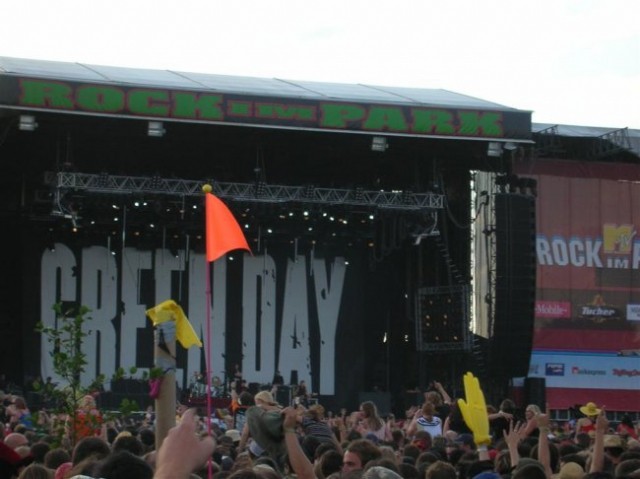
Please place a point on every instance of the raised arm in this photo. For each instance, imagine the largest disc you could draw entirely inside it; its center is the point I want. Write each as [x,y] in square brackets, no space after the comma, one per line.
[602,426]
[512,438]
[299,461]
[182,451]
[445,396]
[544,455]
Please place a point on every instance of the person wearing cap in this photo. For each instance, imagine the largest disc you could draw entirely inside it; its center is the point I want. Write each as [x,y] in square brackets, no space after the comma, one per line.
[234,435]
[587,424]
[614,446]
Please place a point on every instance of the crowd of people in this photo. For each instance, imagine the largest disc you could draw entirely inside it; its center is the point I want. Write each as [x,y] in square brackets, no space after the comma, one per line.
[434,440]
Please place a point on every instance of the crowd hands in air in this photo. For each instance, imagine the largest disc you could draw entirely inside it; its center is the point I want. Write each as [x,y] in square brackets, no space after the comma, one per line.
[443,438]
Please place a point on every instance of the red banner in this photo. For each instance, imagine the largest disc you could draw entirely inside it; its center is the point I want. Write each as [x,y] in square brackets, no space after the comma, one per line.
[587,318]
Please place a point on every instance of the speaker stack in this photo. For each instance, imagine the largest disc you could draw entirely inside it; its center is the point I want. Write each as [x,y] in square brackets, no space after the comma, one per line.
[515,282]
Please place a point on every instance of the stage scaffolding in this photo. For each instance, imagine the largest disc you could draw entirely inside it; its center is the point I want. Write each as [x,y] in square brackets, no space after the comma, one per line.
[248,192]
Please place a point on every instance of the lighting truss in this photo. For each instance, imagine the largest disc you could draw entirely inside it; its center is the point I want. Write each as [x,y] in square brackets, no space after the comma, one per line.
[248,192]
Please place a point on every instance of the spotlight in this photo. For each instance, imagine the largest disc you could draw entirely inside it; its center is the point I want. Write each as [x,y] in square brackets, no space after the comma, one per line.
[156,128]
[494,149]
[27,123]
[379,143]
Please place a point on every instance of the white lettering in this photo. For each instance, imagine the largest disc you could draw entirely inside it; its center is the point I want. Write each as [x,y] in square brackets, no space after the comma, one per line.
[99,292]
[259,319]
[133,317]
[329,286]
[295,352]
[559,249]
[576,252]
[543,251]
[593,253]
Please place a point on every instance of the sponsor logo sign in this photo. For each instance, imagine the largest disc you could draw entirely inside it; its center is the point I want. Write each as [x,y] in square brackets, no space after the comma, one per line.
[633,312]
[553,309]
[554,369]
[587,372]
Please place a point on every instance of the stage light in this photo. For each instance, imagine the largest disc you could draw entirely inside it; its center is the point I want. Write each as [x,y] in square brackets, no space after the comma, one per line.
[27,123]
[379,143]
[494,149]
[156,128]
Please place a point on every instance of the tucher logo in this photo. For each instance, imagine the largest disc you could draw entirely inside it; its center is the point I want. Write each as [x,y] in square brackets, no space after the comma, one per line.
[598,310]
[554,369]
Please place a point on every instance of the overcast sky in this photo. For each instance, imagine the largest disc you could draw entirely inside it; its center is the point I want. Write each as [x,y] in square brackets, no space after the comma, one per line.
[571,62]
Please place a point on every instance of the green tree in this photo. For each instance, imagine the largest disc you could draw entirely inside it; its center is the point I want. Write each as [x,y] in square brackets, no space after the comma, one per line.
[69,362]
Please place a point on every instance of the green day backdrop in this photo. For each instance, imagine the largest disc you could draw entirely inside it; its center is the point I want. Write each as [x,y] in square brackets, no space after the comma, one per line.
[587,320]
[274,310]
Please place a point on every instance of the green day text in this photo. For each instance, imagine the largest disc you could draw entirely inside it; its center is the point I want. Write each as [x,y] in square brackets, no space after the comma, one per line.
[118,310]
[216,107]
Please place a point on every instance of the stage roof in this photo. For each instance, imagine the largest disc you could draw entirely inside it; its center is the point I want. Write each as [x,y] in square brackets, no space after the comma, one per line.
[37,85]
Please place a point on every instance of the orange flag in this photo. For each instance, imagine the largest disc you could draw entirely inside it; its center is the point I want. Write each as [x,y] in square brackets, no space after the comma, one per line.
[222,231]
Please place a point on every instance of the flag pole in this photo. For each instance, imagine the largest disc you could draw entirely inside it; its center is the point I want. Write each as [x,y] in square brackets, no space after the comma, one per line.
[207,190]
[222,234]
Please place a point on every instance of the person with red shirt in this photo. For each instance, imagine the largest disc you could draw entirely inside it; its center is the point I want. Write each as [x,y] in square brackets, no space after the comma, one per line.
[88,419]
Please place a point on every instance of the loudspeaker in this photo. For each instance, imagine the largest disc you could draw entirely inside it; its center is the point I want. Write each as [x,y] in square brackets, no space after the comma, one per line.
[515,283]
[283,395]
[382,400]
[294,377]
[254,388]
[535,392]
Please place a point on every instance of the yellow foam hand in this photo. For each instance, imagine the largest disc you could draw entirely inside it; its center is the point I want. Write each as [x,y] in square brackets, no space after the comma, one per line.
[474,410]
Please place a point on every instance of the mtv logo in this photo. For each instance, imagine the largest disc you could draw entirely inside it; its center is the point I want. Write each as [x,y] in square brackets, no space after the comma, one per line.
[618,239]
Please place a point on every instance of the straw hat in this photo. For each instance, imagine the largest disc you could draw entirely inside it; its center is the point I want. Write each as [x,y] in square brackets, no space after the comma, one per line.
[571,470]
[590,409]
[613,441]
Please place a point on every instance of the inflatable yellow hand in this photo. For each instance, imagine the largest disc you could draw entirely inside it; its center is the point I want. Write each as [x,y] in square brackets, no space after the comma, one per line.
[474,410]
